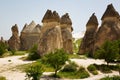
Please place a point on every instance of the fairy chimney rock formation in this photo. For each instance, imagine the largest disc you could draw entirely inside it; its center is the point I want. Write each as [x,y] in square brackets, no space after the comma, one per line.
[109,29]
[14,41]
[110,12]
[51,17]
[50,38]
[1,40]
[87,43]
[30,35]
[66,30]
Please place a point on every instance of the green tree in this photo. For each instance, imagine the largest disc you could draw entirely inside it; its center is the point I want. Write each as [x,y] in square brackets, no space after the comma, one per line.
[109,51]
[117,43]
[3,47]
[56,59]
[34,71]
[76,44]
[33,55]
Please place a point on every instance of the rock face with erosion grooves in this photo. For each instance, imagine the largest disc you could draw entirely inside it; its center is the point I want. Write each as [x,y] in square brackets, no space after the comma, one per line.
[66,30]
[14,41]
[110,27]
[50,38]
[30,35]
[87,43]
[109,30]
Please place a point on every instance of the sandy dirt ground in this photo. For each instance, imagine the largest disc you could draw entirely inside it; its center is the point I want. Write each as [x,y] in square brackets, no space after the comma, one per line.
[8,64]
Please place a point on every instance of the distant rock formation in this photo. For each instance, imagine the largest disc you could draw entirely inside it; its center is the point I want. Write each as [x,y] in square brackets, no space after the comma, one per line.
[55,33]
[14,41]
[87,43]
[110,27]
[2,40]
[50,38]
[30,35]
[66,29]
[109,30]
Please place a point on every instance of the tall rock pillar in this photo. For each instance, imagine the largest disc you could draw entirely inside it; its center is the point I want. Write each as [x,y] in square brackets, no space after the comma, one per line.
[66,30]
[50,38]
[110,27]
[87,43]
[14,41]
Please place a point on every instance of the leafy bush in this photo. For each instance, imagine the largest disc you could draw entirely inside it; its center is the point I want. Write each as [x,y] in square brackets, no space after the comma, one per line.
[3,47]
[111,78]
[114,67]
[34,71]
[13,52]
[94,72]
[78,74]
[2,78]
[92,69]
[33,55]
[56,59]
[71,67]
[109,51]
[103,68]
[82,72]
[76,44]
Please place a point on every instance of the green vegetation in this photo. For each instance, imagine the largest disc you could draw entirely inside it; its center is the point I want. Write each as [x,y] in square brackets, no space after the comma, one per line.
[107,68]
[47,67]
[72,56]
[111,78]
[13,52]
[3,48]
[2,78]
[110,51]
[34,71]
[56,59]
[70,67]
[20,52]
[91,68]
[78,74]
[103,68]
[16,53]
[33,55]
[76,45]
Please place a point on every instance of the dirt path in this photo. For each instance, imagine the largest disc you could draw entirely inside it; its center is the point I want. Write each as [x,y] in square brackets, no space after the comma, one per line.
[7,67]
[8,64]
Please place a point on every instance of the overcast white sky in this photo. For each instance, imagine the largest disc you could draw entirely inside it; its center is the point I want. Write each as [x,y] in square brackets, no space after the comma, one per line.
[24,11]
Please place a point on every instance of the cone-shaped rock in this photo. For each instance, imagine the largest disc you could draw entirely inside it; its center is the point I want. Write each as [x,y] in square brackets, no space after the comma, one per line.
[110,12]
[87,43]
[66,28]
[109,29]
[92,21]
[30,35]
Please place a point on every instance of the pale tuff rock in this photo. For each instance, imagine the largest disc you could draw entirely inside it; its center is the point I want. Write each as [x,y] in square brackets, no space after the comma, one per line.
[50,38]
[66,29]
[51,17]
[65,19]
[110,12]
[14,41]
[87,43]
[30,35]
[109,30]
